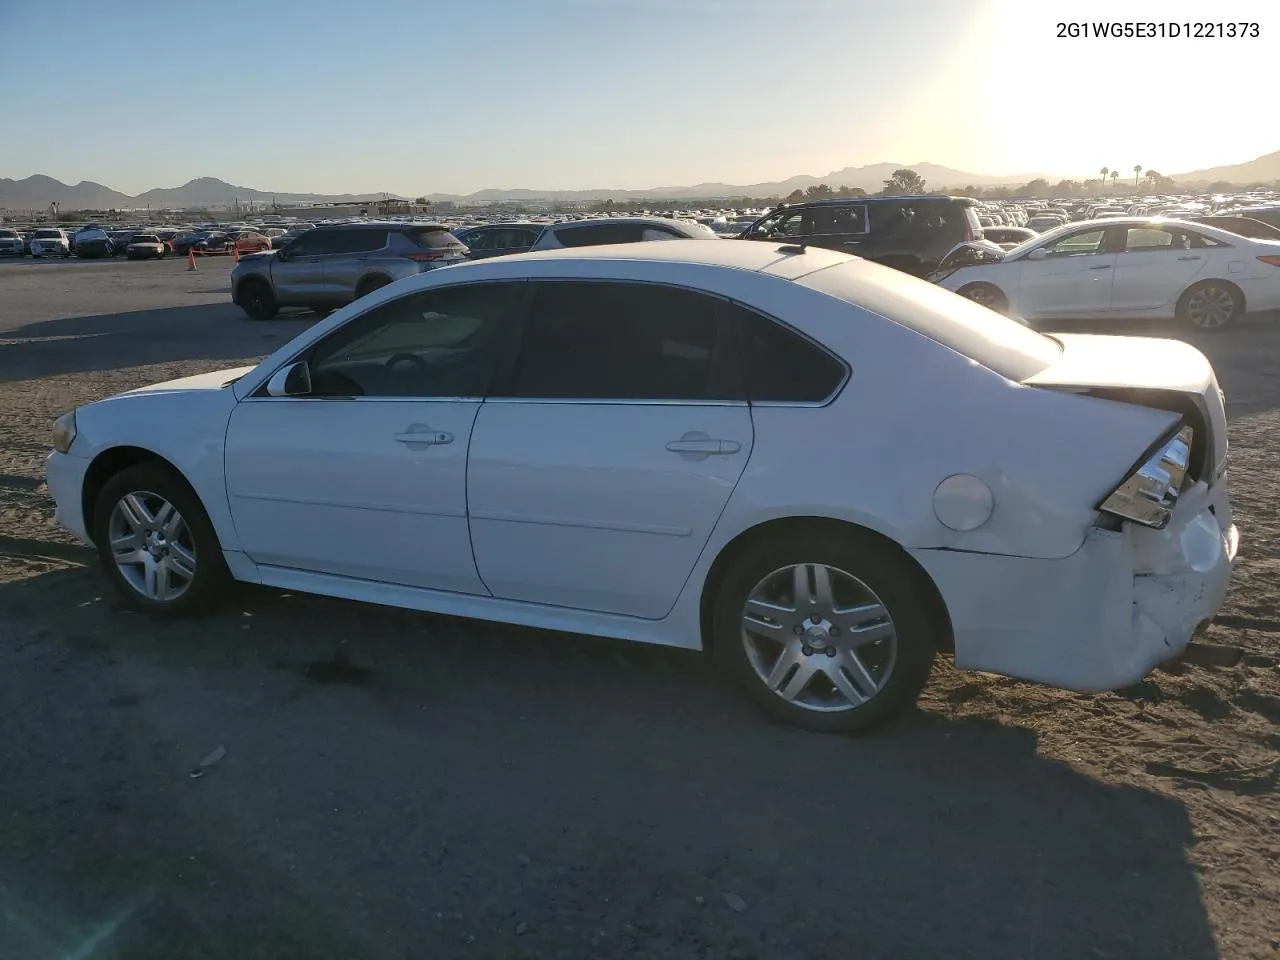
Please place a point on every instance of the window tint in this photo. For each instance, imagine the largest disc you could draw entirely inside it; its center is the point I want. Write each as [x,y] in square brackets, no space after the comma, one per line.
[782,366]
[841,219]
[898,219]
[598,233]
[356,241]
[621,341]
[439,343]
[1077,244]
[313,243]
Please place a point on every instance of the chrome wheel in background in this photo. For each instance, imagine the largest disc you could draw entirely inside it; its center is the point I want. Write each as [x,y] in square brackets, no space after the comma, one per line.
[1211,306]
[818,637]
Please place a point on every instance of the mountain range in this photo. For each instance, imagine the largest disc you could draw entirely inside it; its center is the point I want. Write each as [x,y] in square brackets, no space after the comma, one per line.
[37,192]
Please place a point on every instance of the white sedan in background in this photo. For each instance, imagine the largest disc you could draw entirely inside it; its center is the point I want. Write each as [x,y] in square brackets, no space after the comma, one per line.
[822,469]
[1131,267]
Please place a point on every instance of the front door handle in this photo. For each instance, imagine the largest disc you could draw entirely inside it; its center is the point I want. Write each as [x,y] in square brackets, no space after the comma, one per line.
[1188,258]
[419,436]
[696,445]
[1105,267]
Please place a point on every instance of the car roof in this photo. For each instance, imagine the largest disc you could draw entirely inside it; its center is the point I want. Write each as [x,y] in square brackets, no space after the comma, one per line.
[378,225]
[775,259]
[596,221]
[876,198]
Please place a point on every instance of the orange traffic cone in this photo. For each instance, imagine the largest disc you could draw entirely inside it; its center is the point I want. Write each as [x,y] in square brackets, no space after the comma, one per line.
[191,259]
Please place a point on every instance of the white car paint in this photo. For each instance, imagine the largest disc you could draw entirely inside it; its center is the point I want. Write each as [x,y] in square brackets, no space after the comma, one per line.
[1132,283]
[583,520]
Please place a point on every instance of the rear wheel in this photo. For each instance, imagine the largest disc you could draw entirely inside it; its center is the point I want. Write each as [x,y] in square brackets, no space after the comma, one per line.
[986,294]
[833,633]
[1211,305]
[370,284]
[257,300]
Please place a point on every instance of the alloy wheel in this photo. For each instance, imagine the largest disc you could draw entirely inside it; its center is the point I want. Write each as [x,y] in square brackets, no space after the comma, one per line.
[818,637]
[1210,307]
[151,546]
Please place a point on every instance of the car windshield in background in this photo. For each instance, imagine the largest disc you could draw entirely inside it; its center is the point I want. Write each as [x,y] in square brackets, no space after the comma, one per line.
[48,234]
[999,343]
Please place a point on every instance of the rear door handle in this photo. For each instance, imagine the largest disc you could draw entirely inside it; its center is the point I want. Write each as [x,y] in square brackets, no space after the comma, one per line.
[1106,267]
[698,446]
[1188,258]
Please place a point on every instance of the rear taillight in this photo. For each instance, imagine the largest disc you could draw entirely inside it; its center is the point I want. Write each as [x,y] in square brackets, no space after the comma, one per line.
[1149,494]
[1273,261]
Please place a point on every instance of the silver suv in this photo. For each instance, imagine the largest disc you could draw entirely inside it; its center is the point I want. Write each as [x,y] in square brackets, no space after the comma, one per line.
[330,266]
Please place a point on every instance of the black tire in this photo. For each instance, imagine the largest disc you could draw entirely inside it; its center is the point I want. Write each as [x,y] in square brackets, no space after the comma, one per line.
[211,575]
[986,294]
[918,622]
[370,284]
[1204,305]
[257,300]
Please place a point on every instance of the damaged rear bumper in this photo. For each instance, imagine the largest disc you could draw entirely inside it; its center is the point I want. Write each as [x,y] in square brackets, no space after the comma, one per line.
[1102,618]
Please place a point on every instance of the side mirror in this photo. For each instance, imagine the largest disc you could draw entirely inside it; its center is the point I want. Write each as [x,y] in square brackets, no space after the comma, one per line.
[1039,253]
[291,381]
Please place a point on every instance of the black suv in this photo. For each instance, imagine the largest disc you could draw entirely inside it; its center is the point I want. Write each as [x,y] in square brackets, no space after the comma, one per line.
[911,234]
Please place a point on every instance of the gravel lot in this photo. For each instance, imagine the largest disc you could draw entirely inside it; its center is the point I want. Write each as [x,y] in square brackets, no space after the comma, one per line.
[399,785]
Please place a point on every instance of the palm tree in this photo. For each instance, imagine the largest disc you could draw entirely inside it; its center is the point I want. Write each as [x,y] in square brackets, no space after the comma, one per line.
[1137,172]
[1104,171]
[1114,176]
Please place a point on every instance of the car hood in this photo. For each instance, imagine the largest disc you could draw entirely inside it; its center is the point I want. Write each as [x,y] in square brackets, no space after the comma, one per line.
[201,381]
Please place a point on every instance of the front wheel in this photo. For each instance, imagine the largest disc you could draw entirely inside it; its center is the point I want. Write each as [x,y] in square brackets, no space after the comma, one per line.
[1211,305]
[829,632]
[987,295]
[156,542]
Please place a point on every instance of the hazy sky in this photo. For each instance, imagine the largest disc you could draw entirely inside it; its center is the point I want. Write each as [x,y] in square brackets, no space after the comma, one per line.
[415,96]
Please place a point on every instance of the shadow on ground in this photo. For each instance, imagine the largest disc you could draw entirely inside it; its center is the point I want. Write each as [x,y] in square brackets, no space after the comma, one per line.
[110,341]
[497,792]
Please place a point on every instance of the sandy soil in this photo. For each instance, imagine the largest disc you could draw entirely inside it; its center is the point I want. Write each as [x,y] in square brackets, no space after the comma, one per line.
[470,790]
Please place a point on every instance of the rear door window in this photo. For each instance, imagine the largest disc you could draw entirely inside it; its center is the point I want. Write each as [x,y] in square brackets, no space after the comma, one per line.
[826,221]
[624,341]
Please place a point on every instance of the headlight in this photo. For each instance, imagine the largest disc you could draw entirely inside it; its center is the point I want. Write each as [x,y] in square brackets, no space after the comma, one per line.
[1150,493]
[64,432]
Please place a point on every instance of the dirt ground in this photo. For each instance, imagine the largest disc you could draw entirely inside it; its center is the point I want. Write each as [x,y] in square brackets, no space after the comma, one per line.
[398,785]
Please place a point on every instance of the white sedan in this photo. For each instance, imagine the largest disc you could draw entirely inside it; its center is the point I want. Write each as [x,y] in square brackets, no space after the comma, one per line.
[1132,267]
[822,469]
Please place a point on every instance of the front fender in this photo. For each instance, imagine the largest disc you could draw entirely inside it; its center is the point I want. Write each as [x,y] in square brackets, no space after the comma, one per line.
[187,429]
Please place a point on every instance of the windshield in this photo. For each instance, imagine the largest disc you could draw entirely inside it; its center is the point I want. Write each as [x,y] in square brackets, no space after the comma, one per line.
[993,340]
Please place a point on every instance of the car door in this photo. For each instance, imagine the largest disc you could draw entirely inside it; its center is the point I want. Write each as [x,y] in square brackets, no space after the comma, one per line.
[365,476]
[600,466]
[1154,266]
[356,254]
[1073,279]
[298,271]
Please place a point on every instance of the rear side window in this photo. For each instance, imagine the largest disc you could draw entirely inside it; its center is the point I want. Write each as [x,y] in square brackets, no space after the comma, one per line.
[915,219]
[781,365]
[623,341]
[359,241]
[838,220]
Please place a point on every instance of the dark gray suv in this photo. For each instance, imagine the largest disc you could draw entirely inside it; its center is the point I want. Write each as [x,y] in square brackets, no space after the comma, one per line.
[912,234]
[332,265]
